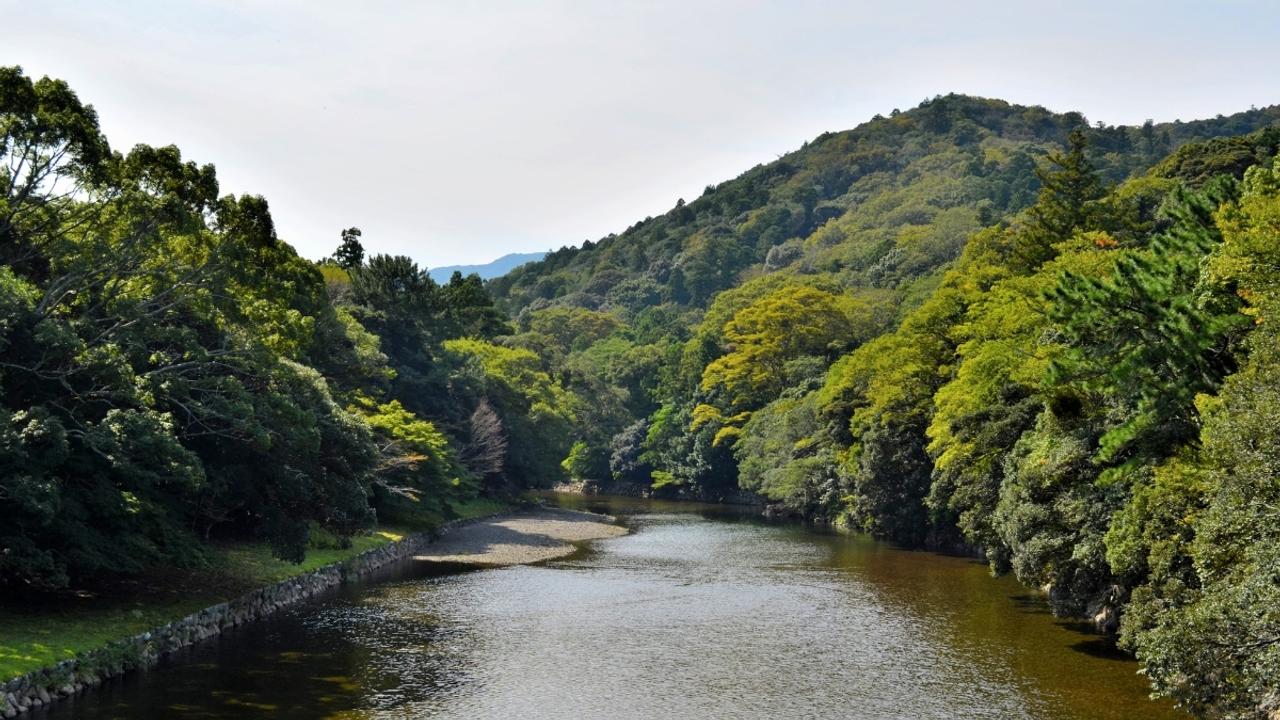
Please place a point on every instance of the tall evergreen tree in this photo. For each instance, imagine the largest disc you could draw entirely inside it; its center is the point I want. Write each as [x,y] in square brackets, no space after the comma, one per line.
[1146,339]
[1069,191]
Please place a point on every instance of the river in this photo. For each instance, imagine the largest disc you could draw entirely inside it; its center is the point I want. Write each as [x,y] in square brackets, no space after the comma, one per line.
[700,612]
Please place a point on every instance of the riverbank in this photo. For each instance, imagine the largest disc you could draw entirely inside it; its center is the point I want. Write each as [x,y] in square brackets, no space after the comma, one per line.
[59,650]
[521,538]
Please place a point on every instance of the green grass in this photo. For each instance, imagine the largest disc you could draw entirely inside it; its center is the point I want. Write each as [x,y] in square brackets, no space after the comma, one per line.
[36,637]
[31,640]
[254,564]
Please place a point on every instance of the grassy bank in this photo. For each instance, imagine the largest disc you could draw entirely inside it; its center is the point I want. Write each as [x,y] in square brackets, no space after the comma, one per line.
[39,636]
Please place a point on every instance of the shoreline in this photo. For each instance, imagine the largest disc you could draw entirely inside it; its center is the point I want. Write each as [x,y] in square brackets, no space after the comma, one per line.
[506,538]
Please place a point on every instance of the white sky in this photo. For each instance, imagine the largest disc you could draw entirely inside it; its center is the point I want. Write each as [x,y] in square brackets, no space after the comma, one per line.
[458,131]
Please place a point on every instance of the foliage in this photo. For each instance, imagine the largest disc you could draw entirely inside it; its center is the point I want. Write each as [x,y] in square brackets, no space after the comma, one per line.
[172,373]
[854,344]
[536,412]
[1205,624]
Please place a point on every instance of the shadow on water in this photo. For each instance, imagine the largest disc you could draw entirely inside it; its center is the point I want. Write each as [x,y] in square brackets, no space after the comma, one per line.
[1031,604]
[1102,648]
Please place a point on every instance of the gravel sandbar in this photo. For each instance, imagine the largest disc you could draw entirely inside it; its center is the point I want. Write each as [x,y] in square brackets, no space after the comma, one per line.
[520,538]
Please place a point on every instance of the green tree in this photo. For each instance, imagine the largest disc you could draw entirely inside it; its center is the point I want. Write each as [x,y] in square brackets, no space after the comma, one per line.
[1068,202]
[350,253]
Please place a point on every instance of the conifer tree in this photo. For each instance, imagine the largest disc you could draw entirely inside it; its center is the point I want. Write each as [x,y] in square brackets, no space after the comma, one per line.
[1148,338]
[1069,191]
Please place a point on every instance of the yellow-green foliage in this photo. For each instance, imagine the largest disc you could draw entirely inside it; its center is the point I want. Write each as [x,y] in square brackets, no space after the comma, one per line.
[1250,257]
[392,419]
[517,371]
[571,328]
[537,413]
[1000,340]
[789,323]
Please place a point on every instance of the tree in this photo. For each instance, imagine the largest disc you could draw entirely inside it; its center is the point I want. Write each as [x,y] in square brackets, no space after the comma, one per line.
[536,412]
[1069,191]
[1211,640]
[350,253]
[791,323]
[1147,337]
[486,448]
[626,450]
[54,153]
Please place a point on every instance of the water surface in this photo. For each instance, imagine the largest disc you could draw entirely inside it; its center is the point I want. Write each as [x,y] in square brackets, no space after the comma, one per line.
[699,613]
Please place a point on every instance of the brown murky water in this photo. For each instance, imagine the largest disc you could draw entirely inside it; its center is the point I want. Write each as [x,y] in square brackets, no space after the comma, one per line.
[699,613]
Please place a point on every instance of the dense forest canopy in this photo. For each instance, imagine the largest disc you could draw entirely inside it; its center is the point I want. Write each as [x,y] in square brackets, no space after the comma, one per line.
[971,326]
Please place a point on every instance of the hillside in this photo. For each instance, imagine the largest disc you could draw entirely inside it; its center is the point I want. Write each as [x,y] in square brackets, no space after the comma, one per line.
[878,205]
[486,271]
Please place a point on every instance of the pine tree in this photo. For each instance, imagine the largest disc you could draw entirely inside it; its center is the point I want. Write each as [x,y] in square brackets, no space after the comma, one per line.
[1069,190]
[1148,338]
[350,254]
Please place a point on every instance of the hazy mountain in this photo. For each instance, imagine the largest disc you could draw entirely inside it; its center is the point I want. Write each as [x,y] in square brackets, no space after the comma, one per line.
[487,271]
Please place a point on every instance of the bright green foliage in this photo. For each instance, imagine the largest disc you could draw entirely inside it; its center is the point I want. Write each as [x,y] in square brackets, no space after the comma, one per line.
[764,337]
[171,371]
[536,412]
[881,395]
[582,462]
[1040,389]
[412,315]
[417,473]
[995,392]
[970,325]
[146,357]
[689,456]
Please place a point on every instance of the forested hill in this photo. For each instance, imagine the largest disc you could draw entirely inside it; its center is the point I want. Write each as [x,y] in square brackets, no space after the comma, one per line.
[879,205]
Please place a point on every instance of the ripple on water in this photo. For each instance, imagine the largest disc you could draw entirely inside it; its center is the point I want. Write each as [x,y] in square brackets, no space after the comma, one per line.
[687,617]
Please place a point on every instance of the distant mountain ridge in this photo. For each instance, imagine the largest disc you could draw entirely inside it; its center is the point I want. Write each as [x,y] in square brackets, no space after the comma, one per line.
[487,271]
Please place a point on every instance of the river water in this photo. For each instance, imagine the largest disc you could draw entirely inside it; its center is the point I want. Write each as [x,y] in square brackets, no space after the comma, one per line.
[699,613]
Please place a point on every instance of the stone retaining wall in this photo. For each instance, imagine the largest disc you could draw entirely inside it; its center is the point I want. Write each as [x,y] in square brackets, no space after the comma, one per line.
[37,688]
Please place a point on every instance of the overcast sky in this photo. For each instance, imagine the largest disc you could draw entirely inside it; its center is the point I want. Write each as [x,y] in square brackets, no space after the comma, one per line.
[459,131]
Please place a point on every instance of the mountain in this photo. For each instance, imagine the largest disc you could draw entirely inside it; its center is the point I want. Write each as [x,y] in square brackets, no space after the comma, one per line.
[487,271]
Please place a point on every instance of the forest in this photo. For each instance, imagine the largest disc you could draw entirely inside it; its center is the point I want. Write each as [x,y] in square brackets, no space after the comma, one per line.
[970,327]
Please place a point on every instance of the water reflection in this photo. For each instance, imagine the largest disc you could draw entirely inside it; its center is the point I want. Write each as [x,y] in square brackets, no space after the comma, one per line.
[700,613]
